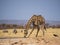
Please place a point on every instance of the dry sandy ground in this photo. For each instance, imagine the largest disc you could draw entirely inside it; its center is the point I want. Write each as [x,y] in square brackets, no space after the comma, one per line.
[48,39]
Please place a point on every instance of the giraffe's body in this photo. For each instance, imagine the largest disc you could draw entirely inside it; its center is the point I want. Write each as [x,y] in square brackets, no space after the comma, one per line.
[36,21]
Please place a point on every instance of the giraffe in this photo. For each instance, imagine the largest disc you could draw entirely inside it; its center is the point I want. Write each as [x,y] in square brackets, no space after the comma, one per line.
[36,21]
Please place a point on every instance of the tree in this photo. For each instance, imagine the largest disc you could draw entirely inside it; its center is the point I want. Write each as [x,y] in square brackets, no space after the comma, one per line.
[4,26]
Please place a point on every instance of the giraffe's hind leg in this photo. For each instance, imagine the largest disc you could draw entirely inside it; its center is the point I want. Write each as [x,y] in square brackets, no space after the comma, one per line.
[44,29]
[43,32]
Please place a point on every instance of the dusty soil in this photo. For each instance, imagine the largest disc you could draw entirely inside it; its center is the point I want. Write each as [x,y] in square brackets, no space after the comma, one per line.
[30,41]
[52,37]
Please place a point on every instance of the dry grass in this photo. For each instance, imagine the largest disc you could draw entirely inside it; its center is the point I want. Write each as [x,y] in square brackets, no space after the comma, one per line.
[48,39]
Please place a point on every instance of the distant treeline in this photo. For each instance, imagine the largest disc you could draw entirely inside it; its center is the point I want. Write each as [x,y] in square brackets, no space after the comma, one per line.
[11,26]
[52,26]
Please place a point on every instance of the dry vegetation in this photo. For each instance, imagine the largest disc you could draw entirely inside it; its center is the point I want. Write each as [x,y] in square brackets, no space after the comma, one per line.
[7,37]
[52,37]
[11,26]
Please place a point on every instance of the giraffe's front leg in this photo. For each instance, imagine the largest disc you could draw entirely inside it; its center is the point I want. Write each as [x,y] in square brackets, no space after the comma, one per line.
[43,29]
[31,32]
[37,31]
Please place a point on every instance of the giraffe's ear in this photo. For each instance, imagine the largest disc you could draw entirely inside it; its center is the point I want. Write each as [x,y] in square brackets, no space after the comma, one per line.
[40,15]
[34,15]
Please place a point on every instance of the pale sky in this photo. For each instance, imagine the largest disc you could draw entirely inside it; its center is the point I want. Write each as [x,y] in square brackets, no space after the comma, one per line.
[24,9]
